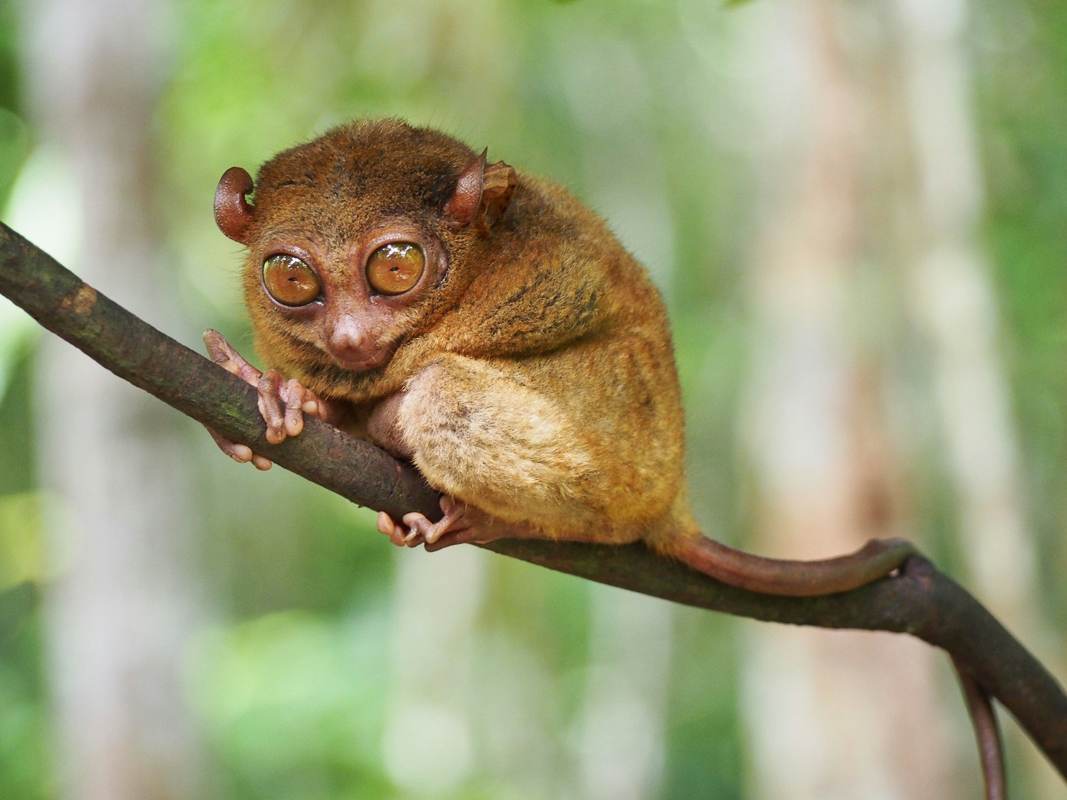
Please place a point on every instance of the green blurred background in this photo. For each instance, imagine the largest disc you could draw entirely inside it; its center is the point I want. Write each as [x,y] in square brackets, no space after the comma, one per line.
[315,661]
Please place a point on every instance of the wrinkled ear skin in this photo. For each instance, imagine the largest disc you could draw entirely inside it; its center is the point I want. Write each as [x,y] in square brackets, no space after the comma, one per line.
[482,194]
[233,214]
[498,186]
[465,200]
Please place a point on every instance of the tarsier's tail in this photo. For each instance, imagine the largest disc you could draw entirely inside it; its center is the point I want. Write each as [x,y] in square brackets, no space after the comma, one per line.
[877,559]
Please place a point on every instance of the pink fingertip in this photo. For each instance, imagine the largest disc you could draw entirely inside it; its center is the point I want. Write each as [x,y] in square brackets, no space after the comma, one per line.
[241,453]
[261,463]
[310,407]
[385,524]
[411,518]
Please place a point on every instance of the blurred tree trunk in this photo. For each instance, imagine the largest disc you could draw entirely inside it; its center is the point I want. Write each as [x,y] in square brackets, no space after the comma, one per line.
[952,292]
[430,733]
[842,714]
[621,727]
[122,610]
[956,305]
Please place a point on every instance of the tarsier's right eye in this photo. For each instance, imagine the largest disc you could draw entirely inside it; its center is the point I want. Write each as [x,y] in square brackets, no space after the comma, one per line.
[290,281]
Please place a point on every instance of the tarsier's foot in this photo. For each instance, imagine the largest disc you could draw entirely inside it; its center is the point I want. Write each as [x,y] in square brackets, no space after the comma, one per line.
[282,403]
[460,524]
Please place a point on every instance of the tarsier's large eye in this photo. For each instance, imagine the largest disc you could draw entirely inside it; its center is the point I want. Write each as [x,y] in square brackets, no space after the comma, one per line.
[395,268]
[290,281]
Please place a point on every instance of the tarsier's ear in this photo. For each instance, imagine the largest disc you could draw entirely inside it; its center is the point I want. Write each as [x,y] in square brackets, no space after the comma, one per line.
[482,193]
[233,215]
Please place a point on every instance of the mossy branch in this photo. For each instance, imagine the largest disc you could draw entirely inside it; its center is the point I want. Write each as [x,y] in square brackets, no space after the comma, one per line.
[921,601]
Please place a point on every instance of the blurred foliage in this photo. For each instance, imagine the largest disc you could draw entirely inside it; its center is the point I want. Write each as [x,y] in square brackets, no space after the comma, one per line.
[1022,98]
[26,767]
[292,680]
[286,718]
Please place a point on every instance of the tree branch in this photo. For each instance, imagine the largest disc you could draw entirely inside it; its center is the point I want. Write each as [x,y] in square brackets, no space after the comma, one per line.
[921,601]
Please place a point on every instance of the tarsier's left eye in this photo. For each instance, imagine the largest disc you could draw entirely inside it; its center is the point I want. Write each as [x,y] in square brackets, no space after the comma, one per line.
[395,268]
[290,281]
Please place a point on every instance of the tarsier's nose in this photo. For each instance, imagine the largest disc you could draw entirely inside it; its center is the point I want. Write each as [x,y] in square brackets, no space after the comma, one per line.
[349,343]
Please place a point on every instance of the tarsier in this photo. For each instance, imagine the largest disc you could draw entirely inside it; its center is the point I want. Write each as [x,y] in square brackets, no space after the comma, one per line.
[487,327]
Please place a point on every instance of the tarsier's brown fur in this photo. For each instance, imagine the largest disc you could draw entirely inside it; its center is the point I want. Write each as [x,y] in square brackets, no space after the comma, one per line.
[528,374]
[540,375]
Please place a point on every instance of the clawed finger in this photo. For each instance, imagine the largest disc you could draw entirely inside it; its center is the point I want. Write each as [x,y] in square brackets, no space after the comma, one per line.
[420,529]
[294,394]
[223,354]
[262,463]
[270,405]
[241,453]
[415,529]
[398,533]
[313,405]
[465,536]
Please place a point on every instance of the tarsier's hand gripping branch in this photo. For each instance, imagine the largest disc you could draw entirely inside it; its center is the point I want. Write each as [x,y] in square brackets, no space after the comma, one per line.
[489,328]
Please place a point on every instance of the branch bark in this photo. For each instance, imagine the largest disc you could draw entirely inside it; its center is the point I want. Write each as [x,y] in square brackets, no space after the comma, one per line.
[921,601]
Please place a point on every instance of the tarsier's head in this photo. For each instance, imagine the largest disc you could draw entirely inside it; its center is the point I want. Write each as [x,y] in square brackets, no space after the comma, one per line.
[358,239]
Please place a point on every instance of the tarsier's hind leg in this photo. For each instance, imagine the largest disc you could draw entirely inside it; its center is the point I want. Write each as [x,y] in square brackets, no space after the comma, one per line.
[877,559]
[484,435]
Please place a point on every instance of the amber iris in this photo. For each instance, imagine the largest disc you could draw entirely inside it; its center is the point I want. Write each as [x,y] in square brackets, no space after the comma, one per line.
[395,268]
[290,281]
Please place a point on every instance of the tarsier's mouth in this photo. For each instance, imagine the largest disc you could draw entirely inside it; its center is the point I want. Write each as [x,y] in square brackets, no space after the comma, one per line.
[363,360]
[373,361]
